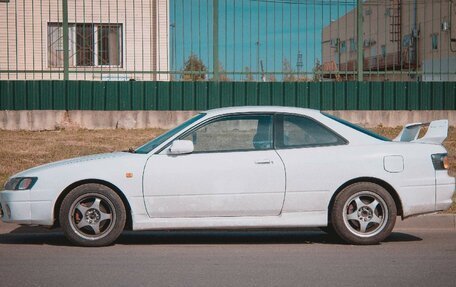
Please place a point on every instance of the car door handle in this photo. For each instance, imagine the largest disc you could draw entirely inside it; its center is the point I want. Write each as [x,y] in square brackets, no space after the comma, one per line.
[264,161]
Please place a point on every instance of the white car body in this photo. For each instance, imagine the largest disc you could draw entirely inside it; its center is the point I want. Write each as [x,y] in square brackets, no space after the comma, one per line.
[251,189]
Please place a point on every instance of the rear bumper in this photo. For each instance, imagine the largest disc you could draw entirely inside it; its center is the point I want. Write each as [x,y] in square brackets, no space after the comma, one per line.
[16,207]
[422,199]
[444,190]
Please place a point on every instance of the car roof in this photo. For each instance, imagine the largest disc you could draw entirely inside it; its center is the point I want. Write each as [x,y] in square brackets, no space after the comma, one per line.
[261,109]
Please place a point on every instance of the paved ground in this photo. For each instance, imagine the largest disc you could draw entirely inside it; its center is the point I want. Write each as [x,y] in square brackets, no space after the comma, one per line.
[410,257]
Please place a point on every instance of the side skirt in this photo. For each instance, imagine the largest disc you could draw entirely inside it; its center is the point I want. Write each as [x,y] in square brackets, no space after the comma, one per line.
[286,220]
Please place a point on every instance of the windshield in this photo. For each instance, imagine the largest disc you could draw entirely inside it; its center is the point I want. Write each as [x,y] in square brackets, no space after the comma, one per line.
[164,137]
[358,128]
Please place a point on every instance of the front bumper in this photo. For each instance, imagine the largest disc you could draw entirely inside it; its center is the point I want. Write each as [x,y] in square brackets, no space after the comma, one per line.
[16,207]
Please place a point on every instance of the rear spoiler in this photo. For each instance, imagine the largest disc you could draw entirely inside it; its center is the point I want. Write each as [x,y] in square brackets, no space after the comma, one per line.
[437,132]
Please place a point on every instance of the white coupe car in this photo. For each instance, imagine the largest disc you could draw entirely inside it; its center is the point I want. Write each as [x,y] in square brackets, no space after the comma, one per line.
[241,168]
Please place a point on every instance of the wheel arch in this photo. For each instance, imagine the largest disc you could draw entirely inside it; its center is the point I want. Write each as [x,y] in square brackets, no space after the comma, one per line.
[380,182]
[72,186]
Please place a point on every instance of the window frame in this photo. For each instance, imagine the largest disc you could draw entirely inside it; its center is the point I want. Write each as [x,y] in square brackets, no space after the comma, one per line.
[435,42]
[353,45]
[275,126]
[48,53]
[343,47]
[72,29]
[278,127]
[120,41]
[218,118]
[384,51]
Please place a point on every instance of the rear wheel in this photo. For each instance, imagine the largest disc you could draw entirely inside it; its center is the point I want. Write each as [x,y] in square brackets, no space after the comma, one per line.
[92,215]
[363,213]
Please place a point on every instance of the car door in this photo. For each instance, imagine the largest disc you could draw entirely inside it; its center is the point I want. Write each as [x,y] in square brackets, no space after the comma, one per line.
[233,171]
[314,157]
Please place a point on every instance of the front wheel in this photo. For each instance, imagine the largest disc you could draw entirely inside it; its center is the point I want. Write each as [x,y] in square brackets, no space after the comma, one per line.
[364,213]
[92,215]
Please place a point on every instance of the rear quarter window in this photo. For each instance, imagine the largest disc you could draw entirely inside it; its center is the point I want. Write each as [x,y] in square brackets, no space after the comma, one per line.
[357,128]
[297,131]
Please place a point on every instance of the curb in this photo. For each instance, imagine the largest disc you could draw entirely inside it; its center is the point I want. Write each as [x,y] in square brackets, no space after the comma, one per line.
[434,221]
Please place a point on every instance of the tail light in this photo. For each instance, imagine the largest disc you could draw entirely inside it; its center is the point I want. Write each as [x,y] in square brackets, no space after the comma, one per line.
[440,161]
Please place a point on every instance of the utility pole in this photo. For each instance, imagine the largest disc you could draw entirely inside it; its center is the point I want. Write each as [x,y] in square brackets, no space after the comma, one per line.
[173,47]
[299,63]
[360,31]
[258,56]
[66,40]
[215,39]
[263,75]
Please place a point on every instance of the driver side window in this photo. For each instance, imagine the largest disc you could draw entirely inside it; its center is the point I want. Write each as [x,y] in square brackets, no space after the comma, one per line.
[233,133]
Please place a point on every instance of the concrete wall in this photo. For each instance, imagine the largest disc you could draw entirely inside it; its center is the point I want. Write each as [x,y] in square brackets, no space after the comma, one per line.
[394,118]
[51,120]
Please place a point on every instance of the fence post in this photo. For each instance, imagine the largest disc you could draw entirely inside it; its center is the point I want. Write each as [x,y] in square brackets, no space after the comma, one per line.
[215,40]
[360,31]
[66,52]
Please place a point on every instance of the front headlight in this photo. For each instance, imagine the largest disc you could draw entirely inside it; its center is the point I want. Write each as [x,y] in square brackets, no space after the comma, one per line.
[20,183]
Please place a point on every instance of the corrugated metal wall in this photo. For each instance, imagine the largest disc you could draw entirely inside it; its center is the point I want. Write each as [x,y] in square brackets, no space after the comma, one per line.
[89,95]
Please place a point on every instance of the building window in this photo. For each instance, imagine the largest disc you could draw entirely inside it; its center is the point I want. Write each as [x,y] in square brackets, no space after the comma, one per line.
[89,45]
[353,47]
[55,45]
[407,40]
[435,41]
[343,46]
[384,51]
[109,43]
[388,12]
[85,45]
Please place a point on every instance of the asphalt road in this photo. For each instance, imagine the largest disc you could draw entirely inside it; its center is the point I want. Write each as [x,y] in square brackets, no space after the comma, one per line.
[409,257]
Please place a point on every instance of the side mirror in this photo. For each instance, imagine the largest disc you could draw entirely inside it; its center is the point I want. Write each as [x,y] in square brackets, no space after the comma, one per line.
[181,147]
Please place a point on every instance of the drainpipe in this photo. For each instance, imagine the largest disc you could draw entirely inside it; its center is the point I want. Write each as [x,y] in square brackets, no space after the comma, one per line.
[215,39]
[66,44]
[399,43]
[452,40]
[359,32]
[415,33]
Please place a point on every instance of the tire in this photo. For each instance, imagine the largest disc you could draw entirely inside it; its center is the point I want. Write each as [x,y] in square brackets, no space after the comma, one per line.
[363,213]
[92,215]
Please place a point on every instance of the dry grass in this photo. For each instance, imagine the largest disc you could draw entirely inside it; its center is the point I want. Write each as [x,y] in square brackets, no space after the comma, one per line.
[22,150]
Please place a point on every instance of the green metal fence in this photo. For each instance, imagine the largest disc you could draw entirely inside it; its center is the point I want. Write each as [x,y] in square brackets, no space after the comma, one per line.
[160,95]
[202,54]
[228,40]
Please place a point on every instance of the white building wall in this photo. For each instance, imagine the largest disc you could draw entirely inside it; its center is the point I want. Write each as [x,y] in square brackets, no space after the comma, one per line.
[24,38]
